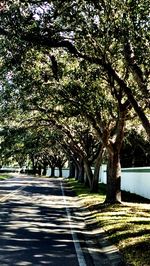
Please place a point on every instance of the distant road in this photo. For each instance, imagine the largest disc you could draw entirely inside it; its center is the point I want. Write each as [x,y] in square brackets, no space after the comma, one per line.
[37,226]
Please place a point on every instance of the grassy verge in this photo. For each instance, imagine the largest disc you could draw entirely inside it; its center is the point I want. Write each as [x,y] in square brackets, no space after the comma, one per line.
[126,224]
[4,176]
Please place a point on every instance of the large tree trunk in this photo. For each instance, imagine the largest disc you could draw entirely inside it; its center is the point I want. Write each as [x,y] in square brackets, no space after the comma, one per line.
[74,167]
[34,170]
[34,165]
[78,167]
[88,172]
[52,171]
[76,172]
[44,169]
[60,171]
[113,192]
[95,181]
[81,171]
[86,181]
[71,169]
[39,171]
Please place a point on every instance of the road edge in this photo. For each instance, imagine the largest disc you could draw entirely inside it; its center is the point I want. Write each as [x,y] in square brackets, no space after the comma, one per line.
[100,248]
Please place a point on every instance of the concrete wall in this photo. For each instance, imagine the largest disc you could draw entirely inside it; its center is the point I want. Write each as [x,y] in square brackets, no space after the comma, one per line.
[65,172]
[134,180]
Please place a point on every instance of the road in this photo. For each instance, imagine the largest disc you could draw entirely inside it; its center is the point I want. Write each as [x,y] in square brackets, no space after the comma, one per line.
[37,224]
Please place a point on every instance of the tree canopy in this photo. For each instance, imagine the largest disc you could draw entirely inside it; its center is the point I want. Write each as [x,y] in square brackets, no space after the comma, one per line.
[77,71]
[112,35]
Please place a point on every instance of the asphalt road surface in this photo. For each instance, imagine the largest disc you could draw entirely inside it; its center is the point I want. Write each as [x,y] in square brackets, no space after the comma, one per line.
[37,224]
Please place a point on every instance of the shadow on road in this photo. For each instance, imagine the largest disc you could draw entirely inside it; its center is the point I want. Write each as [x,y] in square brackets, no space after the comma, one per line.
[34,228]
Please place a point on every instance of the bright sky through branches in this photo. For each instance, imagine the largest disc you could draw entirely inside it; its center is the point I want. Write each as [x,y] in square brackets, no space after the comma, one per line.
[40,11]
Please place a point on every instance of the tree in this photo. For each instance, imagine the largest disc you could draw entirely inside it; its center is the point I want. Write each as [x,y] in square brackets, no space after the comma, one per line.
[106,36]
[112,35]
[107,113]
[12,146]
[85,95]
[136,149]
[43,105]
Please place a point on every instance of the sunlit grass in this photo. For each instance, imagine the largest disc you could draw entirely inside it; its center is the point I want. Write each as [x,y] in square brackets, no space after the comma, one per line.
[126,224]
[3,177]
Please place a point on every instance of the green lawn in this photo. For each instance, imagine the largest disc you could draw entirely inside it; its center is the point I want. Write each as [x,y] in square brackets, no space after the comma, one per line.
[4,176]
[126,224]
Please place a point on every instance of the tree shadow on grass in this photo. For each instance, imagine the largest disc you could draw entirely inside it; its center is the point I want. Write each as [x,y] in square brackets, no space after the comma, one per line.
[139,252]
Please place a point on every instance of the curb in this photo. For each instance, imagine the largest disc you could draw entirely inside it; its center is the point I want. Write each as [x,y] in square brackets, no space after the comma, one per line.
[103,252]
[97,243]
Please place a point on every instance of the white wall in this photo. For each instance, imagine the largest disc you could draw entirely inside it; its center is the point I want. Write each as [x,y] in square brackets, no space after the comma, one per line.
[134,180]
[65,172]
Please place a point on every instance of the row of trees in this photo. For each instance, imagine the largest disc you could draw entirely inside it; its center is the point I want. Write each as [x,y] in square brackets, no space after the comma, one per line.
[77,73]
[33,150]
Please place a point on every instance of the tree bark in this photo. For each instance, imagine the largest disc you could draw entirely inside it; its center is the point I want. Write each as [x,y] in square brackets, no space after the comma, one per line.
[39,170]
[44,169]
[71,169]
[77,164]
[81,172]
[95,181]
[34,169]
[52,171]
[86,181]
[76,172]
[113,192]
[60,171]
[34,166]
[88,171]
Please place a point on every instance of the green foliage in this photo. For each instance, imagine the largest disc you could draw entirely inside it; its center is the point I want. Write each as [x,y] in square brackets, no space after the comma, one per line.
[112,35]
[75,68]
[3,177]
[136,150]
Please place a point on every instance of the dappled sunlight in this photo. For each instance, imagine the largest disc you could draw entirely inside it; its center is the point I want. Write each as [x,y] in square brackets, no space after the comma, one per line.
[35,230]
[127,225]
[39,224]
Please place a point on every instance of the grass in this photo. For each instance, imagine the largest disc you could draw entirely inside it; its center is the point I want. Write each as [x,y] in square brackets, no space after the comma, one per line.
[127,225]
[4,176]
